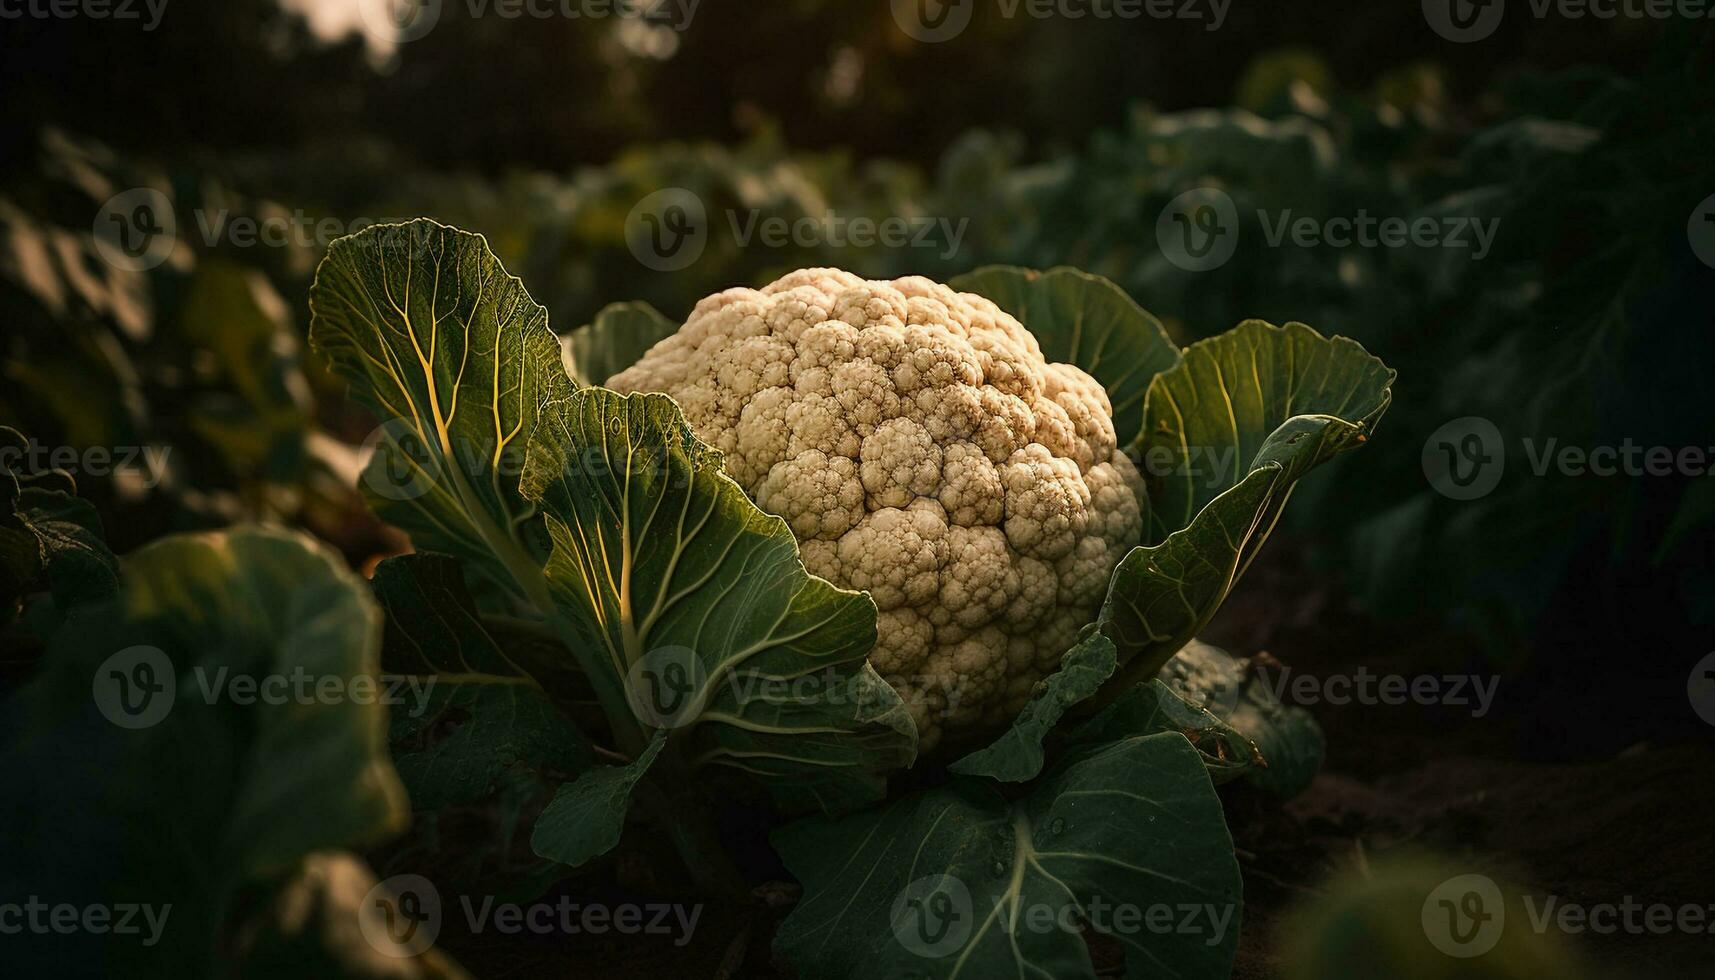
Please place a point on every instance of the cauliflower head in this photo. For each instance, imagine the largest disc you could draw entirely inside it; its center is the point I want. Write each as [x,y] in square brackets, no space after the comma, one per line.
[921,449]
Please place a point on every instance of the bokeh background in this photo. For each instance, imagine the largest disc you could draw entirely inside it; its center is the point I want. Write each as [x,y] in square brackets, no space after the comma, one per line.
[1589,321]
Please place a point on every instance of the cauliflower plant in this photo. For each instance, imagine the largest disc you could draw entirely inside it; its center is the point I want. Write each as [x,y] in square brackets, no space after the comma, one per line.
[921,449]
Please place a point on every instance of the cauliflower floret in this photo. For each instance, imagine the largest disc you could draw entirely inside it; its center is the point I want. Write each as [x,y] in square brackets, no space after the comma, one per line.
[920,448]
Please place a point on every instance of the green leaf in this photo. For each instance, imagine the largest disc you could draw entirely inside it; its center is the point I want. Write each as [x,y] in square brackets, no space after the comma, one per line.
[177,783]
[1226,435]
[1288,742]
[961,882]
[1088,322]
[258,403]
[48,536]
[1158,707]
[618,338]
[457,362]
[586,817]
[695,604]
[486,719]
[1255,396]
[1147,709]
[1019,754]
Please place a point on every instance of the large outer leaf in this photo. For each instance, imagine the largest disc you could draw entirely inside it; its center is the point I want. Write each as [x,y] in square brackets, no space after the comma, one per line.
[618,338]
[1086,321]
[457,362]
[1224,413]
[486,718]
[1226,435]
[216,795]
[961,882]
[667,571]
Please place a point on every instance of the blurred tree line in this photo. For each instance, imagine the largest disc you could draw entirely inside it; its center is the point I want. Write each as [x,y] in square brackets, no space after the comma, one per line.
[492,93]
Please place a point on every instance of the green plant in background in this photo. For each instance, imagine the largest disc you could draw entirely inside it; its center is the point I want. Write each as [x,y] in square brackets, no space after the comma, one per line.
[227,824]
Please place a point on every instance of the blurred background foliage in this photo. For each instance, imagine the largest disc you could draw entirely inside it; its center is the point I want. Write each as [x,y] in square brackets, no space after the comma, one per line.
[1060,141]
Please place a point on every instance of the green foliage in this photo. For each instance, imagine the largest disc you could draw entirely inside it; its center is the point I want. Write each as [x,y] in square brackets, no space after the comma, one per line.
[963,881]
[257,791]
[696,604]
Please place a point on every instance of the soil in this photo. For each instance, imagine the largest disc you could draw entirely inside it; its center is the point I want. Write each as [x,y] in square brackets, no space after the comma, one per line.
[1481,793]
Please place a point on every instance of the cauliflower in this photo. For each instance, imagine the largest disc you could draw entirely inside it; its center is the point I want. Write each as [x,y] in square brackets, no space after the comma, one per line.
[921,449]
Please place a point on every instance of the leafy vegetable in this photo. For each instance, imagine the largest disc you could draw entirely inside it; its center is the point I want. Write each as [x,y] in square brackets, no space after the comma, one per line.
[962,882]
[698,605]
